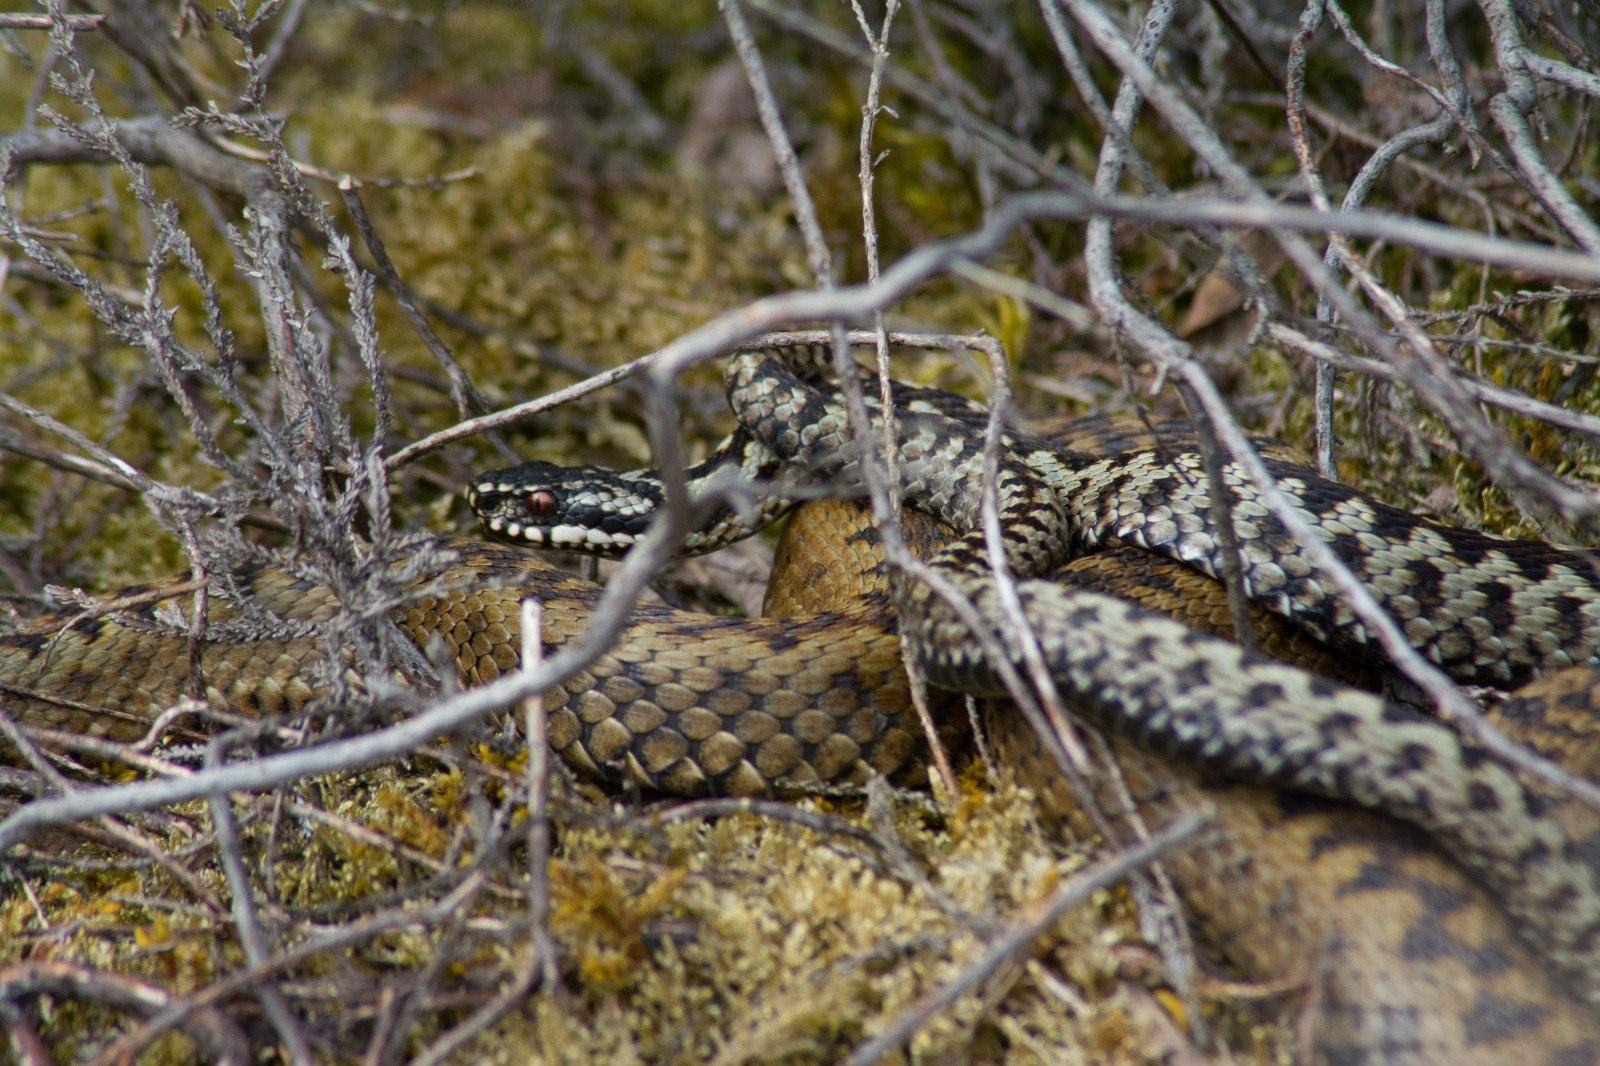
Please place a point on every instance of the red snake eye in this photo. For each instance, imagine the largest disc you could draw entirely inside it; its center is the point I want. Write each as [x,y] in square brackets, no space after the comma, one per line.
[542,504]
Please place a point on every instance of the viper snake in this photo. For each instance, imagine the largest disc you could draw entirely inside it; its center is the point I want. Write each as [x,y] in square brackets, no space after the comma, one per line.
[1520,608]
[695,704]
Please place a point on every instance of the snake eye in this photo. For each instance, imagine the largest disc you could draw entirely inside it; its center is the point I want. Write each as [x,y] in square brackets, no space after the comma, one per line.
[542,505]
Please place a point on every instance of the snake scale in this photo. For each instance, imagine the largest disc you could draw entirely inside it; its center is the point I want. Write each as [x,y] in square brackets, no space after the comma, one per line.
[1180,691]
[1486,610]
[1411,960]
[1140,674]
[684,702]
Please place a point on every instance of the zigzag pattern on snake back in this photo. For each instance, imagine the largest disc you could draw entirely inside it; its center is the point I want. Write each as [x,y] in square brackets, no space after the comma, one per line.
[1144,676]
[1489,611]
[684,702]
[694,703]
[1417,966]
[1147,677]
[1392,941]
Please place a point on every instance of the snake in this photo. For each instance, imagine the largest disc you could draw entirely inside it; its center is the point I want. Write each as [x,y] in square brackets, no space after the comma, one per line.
[1410,959]
[1421,966]
[684,702]
[1488,611]
[1425,972]
[1141,674]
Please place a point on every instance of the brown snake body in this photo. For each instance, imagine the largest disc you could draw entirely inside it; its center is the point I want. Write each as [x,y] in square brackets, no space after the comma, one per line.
[688,703]
[1417,963]
[1404,958]
[691,703]
[1486,610]
[1173,689]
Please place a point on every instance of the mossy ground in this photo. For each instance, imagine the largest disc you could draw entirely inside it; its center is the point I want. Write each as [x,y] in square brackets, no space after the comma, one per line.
[746,939]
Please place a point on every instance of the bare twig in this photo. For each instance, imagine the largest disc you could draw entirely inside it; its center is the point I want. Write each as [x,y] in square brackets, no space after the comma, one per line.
[1024,932]
[245,920]
[76,23]
[538,964]
[805,213]
[210,1027]
[462,391]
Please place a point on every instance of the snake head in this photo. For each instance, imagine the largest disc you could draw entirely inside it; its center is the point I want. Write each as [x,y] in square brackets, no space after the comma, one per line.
[578,508]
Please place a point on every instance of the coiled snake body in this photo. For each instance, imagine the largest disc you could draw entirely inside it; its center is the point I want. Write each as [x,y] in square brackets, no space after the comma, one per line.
[695,704]
[1176,690]
[1488,611]
[1409,960]
[1157,681]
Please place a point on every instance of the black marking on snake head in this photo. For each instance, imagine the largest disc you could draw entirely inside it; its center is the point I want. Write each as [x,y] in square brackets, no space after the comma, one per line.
[1494,1019]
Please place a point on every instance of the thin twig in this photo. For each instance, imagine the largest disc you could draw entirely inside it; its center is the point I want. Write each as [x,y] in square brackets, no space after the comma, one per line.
[1023,932]
[543,945]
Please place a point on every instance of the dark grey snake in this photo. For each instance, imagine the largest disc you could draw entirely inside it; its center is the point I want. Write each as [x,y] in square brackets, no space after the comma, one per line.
[1142,675]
